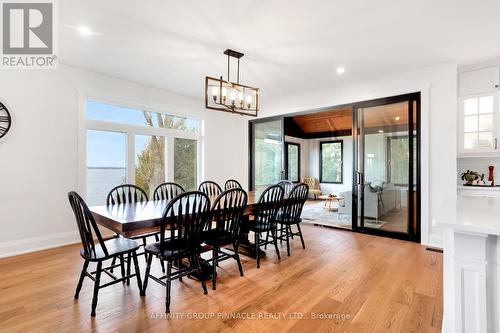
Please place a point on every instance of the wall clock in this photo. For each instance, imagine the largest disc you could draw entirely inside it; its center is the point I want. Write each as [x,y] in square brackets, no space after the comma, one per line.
[5,120]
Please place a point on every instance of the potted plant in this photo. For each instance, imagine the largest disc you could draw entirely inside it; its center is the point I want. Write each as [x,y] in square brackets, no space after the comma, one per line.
[469,177]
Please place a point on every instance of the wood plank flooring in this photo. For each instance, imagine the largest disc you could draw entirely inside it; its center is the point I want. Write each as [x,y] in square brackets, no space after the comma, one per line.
[341,282]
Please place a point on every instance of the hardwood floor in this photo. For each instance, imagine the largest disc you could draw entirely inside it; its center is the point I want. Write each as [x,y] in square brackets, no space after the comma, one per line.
[377,284]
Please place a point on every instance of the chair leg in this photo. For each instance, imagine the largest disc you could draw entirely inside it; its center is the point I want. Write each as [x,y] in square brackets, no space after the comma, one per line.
[112,264]
[288,235]
[149,258]
[267,238]
[168,284]
[137,271]
[128,269]
[203,284]
[80,280]
[300,234]
[237,257]
[214,264]
[281,233]
[96,287]
[122,267]
[275,241]
[162,266]
[257,248]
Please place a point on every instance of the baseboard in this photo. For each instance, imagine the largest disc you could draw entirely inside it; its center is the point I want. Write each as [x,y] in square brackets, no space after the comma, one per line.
[27,245]
[12,248]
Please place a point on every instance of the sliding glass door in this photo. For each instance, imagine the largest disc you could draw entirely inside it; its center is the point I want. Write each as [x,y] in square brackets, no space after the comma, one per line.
[266,153]
[386,167]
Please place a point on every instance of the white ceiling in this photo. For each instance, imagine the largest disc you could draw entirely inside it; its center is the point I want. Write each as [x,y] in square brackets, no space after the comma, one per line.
[290,47]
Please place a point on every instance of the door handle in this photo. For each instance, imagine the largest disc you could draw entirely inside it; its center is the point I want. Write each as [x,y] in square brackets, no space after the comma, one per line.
[359,177]
[496,143]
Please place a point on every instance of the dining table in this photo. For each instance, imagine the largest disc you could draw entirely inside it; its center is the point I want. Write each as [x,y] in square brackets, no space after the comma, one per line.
[143,218]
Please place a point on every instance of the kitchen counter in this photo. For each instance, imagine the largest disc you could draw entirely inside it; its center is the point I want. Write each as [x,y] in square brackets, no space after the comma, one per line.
[471,271]
[493,191]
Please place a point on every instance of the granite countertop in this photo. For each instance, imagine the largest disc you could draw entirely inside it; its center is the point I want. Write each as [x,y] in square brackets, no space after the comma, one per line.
[479,214]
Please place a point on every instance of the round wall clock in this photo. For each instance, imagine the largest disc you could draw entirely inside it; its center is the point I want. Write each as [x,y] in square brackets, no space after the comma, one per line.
[5,120]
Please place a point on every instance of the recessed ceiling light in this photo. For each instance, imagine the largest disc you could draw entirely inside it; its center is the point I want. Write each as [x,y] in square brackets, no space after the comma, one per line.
[84,31]
[380,131]
[340,70]
[397,118]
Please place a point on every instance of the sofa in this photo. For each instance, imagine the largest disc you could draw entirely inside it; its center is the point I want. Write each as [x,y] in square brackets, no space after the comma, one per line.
[378,199]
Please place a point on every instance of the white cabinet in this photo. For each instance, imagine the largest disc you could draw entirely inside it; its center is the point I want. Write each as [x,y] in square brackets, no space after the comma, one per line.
[479,112]
[479,81]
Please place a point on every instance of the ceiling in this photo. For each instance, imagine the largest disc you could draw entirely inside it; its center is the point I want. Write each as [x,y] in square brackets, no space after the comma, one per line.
[390,117]
[291,47]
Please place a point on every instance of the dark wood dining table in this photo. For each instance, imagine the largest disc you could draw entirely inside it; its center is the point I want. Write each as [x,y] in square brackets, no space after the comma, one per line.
[134,219]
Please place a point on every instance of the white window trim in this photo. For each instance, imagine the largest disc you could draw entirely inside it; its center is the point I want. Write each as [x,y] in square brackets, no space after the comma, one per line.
[496,121]
[130,130]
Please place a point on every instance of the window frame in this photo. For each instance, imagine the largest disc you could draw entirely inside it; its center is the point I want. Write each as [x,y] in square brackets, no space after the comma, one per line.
[461,124]
[131,131]
[287,144]
[321,143]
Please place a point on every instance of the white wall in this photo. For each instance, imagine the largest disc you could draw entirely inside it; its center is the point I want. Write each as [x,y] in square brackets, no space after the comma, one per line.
[438,87]
[39,157]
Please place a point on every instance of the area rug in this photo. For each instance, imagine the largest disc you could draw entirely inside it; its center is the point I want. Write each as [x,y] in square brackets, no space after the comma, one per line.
[315,213]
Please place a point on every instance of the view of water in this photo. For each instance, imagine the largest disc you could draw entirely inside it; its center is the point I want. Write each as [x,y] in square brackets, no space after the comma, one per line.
[100,181]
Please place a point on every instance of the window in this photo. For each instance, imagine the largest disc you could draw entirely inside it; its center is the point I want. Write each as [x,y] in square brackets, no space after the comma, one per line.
[106,163]
[478,119]
[292,160]
[149,162]
[146,148]
[330,162]
[185,166]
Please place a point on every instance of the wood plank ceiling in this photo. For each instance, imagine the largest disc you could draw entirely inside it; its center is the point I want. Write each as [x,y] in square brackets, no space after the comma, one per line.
[341,119]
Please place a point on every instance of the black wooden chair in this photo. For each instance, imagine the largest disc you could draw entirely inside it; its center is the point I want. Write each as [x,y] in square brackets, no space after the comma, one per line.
[289,215]
[286,185]
[102,251]
[167,191]
[129,193]
[265,216]
[232,183]
[126,193]
[186,216]
[210,188]
[227,210]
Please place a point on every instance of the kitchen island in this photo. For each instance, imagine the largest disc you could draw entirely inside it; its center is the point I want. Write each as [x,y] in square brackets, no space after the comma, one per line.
[471,270]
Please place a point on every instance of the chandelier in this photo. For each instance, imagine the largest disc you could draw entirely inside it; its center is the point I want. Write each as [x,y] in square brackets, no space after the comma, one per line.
[224,95]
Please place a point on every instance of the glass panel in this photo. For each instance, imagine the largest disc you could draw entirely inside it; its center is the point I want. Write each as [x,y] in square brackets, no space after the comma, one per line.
[185,163]
[149,162]
[120,114]
[486,104]
[470,124]
[470,140]
[293,162]
[486,122]
[106,164]
[331,162]
[470,106]
[267,153]
[485,139]
[384,160]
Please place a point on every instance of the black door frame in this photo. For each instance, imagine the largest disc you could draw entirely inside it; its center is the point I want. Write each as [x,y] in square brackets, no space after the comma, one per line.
[411,235]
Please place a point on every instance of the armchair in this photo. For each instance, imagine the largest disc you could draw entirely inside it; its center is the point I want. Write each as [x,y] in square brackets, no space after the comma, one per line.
[313,184]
